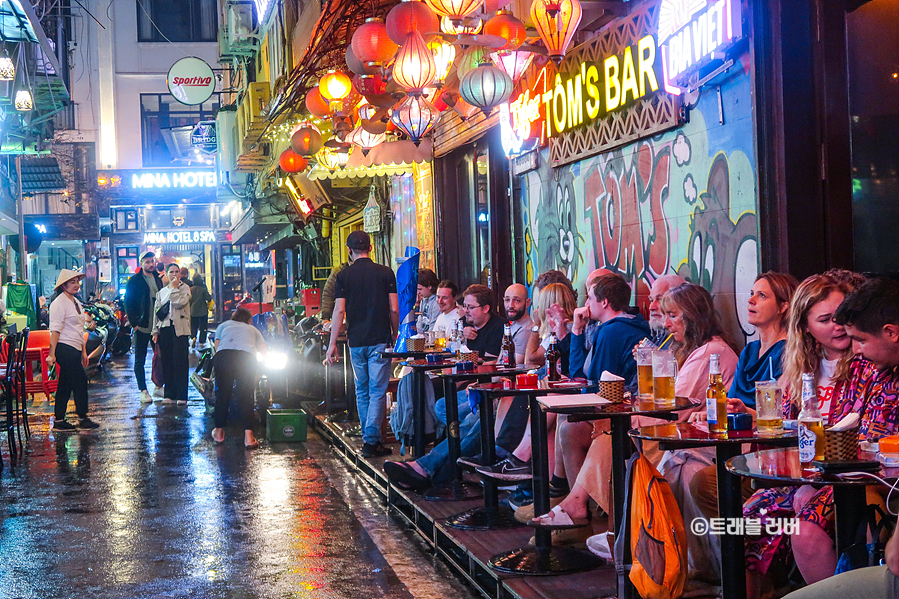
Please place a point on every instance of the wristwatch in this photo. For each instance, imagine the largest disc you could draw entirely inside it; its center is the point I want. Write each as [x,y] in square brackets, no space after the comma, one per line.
[535,329]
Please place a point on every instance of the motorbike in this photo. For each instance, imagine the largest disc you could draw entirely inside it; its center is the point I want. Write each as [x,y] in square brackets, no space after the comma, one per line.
[121,344]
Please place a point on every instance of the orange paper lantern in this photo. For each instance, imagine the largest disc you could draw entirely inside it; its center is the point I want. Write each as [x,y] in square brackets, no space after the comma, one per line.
[556,22]
[455,10]
[507,27]
[414,68]
[316,105]
[306,141]
[409,16]
[291,162]
[371,43]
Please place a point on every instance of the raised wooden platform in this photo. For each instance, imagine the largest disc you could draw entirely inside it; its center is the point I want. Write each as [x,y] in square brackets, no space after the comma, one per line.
[468,552]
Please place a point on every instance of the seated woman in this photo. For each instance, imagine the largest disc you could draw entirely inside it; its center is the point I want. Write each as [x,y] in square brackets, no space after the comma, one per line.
[697,334]
[815,343]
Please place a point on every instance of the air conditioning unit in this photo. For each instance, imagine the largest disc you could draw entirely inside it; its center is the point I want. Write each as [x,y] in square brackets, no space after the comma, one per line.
[240,23]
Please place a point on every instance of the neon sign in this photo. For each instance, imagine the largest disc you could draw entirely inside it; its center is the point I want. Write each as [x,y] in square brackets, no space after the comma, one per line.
[181,180]
[692,32]
[180,237]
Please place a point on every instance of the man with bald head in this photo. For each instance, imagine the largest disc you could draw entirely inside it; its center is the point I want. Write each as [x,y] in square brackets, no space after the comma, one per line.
[516,303]
[656,317]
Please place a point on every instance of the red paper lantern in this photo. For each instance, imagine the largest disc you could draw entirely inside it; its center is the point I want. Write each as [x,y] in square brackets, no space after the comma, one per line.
[371,42]
[414,68]
[369,85]
[291,162]
[507,27]
[409,16]
[556,22]
[316,104]
[306,141]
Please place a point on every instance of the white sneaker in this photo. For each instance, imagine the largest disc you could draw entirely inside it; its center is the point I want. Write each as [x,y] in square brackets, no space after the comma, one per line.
[168,401]
[145,397]
[159,392]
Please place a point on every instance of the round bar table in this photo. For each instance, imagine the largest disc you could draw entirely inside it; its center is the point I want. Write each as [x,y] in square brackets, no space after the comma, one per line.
[543,558]
[419,380]
[781,467]
[684,435]
[455,489]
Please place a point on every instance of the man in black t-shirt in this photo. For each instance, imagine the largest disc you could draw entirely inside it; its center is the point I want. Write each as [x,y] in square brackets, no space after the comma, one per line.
[483,329]
[365,293]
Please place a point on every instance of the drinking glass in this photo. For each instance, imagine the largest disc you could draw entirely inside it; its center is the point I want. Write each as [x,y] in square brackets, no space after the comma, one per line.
[644,372]
[664,373]
[769,406]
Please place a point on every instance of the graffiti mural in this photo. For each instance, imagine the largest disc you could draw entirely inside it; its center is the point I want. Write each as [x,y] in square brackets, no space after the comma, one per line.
[684,201]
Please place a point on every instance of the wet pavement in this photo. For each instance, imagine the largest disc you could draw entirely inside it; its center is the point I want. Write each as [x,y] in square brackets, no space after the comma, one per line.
[149,506]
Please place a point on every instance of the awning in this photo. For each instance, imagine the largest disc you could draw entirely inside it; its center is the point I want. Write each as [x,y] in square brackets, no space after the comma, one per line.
[42,175]
[254,226]
[391,158]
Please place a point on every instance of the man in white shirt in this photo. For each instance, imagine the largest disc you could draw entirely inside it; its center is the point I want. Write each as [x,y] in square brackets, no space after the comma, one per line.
[446,300]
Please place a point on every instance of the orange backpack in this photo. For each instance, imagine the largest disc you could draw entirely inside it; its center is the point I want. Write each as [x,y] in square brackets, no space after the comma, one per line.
[654,534]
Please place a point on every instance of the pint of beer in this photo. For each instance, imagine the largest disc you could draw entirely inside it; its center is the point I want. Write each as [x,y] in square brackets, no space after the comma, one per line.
[664,373]
[644,372]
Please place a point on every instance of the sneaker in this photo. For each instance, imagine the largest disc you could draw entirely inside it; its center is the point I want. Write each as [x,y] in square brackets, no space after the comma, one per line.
[521,497]
[182,402]
[509,469]
[159,392]
[86,424]
[167,401]
[375,451]
[61,426]
[145,397]
[405,477]
[471,463]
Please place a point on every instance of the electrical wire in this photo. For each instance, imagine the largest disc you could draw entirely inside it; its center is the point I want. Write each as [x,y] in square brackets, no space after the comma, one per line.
[893,487]
[155,26]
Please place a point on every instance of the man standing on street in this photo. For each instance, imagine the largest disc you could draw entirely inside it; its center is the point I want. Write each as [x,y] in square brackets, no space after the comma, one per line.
[140,300]
[365,293]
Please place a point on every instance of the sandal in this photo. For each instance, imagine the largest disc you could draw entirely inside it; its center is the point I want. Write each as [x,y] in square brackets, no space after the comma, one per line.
[252,445]
[558,519]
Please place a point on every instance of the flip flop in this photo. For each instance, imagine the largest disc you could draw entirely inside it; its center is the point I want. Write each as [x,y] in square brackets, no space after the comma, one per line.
[251,445]
[558,519]
[217,442]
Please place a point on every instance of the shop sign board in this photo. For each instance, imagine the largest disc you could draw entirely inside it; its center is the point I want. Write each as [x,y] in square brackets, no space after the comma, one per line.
[156,238]
[191,81]
[523,163]
[62,227]
[203,137]
[174,179]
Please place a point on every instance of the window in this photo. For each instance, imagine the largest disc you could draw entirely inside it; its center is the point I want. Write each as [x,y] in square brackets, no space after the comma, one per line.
[166,125]
[181,21]
[126,220]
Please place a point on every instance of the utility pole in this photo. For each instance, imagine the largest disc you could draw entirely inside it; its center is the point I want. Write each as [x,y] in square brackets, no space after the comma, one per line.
[23,258]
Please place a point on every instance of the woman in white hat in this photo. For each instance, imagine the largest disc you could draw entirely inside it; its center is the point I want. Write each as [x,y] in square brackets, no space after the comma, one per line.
[67,349]
[171,332]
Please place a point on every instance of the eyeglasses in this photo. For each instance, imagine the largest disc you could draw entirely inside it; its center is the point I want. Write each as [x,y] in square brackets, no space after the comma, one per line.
[467,307]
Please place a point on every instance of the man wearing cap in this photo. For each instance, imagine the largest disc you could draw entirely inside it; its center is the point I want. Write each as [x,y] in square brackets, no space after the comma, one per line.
[140,294]
[365,293]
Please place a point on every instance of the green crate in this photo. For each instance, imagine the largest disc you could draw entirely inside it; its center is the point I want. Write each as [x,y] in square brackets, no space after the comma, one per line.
[285,426]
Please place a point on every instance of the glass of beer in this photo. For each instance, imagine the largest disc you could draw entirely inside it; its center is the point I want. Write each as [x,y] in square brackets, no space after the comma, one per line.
[664,373]
[644,373]
[769,405]
[440,340]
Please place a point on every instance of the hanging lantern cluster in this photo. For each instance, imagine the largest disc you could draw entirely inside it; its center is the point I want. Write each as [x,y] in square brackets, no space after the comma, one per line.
[415,116]
[486,87]
[556,22]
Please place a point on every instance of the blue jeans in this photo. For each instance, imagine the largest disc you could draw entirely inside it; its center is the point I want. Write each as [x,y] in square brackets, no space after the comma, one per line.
[372,374]
[461,401]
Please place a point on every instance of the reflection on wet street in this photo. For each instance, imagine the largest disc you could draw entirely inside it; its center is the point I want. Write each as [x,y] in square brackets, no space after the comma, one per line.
[149,506]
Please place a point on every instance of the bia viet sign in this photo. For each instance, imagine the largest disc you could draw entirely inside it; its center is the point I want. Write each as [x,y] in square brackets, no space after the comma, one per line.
[180,237]
[191,81]
[693,32]
[175,179]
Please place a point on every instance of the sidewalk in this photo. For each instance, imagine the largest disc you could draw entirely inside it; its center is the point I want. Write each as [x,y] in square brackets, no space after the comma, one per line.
[149,507]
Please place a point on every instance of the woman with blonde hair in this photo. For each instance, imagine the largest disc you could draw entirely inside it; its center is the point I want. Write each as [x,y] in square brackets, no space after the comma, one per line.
[553,312]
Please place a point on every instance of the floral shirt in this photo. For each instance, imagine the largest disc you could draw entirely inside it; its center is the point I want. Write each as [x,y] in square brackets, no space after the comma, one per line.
[867,391]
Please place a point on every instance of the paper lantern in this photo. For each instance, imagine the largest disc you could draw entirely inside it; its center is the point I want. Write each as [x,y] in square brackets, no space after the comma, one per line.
[24,101]
[335,87]
[509,28]
[371,44]
[369,85]
[316,105]
[464,109]
[365,140]
[409,16]
[306,141]
[414,68]
[486,87]
[7,68]
[467,26]
[455,10]
[415,116]
[514,63]
[291,162]
[327,159]
[556,22]
[443,54]
[355,65]
[469,60]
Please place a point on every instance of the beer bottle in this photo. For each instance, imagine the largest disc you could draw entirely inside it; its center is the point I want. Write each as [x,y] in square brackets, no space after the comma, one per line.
[553,360]
[811,424]
[716,398]
[507,353]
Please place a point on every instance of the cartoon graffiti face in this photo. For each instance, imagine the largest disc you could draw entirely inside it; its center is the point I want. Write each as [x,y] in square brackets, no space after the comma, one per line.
[558,240]
[567,231]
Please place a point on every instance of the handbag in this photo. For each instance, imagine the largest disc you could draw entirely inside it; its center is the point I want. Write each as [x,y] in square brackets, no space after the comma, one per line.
[162,312]
[863,554]
[156,374]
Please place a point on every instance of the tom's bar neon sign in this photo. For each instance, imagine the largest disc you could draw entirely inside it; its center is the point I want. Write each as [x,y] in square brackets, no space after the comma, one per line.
[180,237]
[181,180]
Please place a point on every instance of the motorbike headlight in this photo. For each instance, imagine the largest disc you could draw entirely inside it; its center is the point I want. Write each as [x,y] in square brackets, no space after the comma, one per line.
[273,360]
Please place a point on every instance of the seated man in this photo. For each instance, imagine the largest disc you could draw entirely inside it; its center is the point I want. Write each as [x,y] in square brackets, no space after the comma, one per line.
[483,332]
[446,301]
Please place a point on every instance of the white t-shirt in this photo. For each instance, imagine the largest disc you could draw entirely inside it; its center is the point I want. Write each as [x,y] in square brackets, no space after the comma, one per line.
[825,385]
[447,322]
[67,320]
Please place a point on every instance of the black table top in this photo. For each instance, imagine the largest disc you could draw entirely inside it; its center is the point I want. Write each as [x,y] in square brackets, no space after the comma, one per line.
[782,466]
[625,408]
[389,353]
[689,434]
[483,371]
[543,387]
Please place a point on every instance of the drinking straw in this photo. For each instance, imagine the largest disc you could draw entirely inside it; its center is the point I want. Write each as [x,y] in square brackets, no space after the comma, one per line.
[666,340]
[771,368]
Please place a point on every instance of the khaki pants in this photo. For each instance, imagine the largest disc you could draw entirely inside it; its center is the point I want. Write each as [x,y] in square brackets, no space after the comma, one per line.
[866,583]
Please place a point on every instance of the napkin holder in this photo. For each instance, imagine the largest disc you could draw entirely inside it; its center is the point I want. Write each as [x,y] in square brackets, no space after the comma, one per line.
[415,345]
[840,446]
[612,390]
